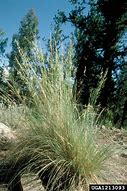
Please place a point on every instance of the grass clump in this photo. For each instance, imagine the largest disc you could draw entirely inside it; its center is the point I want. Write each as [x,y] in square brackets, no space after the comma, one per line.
[59,143]
[13,116]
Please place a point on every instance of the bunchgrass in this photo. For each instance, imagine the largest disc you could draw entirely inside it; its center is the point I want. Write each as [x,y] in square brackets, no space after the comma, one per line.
[13,116]
[59,143]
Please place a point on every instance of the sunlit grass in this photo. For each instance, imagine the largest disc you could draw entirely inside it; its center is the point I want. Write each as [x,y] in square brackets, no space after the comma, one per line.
[58,143]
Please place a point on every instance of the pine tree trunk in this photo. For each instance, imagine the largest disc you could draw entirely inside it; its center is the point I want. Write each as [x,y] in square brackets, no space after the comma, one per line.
[124,113]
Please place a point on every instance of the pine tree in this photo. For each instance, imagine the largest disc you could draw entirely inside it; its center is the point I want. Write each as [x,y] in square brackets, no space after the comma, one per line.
[25,39]
[121,106]
[99,28]
[23,44]
[124,79]
[114,16]
[3,43]
[96,49]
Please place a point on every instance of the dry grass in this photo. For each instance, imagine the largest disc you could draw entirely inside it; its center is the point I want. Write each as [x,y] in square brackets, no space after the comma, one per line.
[53,136]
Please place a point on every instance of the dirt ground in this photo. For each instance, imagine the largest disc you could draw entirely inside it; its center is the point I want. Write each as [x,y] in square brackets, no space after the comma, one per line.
[116,166]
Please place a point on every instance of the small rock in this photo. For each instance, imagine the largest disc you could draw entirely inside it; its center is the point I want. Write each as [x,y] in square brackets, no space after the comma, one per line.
[103,127]
[6,132]
[7,136]
[124,155]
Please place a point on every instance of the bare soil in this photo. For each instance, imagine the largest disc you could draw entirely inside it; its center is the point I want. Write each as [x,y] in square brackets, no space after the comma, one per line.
[116,166]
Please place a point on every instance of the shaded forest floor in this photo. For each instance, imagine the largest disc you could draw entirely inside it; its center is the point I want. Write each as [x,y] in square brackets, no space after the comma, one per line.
[116,166]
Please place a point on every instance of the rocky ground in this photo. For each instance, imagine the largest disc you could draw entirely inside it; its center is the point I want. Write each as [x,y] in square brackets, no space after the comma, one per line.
[116,166]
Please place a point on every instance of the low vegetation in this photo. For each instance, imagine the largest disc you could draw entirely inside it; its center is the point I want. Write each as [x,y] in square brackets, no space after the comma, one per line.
[56,140]
[62,104]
